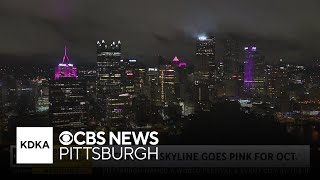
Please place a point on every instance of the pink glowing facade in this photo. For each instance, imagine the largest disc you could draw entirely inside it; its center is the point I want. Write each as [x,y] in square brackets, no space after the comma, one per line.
[182,64]
[179,63]
[248,68]
[65,68]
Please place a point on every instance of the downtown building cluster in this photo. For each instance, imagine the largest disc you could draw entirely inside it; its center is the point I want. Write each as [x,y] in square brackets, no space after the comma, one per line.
[120,93]
[117,94]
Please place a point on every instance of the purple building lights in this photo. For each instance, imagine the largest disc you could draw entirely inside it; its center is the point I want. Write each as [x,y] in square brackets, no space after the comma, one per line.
[179,63]
[248,68]
[182,64]
[65,69]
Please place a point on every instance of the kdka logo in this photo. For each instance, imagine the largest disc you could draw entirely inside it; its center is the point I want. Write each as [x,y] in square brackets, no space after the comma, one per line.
[34,145]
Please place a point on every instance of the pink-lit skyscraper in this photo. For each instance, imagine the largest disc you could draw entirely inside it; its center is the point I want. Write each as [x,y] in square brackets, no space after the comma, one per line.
[68,99]
[248,69]
[65,68]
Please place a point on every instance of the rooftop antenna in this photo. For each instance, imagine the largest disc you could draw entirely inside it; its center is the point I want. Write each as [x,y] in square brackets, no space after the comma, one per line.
[65,56]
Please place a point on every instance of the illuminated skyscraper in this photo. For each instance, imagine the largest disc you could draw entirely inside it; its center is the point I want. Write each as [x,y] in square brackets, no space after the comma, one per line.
[67,97]
[182,83]
[115,85]
[153,85]
[41,94]
[89,76]
[65,69]
[205,53]
[139,79]
[128,75]
[259,77]
[108,73]
[167,82]
[277,80]
[205,73]
[119,110]
[248,69]
[254,73]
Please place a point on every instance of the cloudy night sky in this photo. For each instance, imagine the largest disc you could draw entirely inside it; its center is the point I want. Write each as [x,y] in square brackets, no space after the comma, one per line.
[38,30]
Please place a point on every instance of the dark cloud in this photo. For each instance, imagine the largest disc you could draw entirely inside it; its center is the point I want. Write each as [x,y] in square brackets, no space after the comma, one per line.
[161,38]
[282,29]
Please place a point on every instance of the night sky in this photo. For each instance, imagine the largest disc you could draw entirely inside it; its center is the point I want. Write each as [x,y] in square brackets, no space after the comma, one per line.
[38,30]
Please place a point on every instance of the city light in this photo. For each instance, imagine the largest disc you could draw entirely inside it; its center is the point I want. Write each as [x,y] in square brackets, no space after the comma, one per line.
[153,69]
[124,95]
[202,38]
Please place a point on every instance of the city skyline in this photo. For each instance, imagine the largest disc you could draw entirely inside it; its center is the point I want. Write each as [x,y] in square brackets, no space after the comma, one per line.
[277,28]
[172,97]
[219,86]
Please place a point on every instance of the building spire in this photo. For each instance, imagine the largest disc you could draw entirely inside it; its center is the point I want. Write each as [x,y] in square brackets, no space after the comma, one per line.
[175,59]
[65,56]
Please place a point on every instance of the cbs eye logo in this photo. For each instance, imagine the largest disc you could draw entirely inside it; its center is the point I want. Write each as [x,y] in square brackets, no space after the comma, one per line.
[66,138]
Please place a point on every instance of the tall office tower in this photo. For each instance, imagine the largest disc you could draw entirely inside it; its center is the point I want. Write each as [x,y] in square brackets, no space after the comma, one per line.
[270,81]
[115,86]
[232,74]
[139,79]
[181,81]
[205,67]
[254,73]
[281,86]
[205,72]
[231,58]
[153,85]
[67,97]
[280,79]
[128,75]
[313,78]
[167,82]
[259,77]
[220,71]
[178,67]
[40,89]
[119,111]
[88,75]
[108,75]
[248,69]
[183,72]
